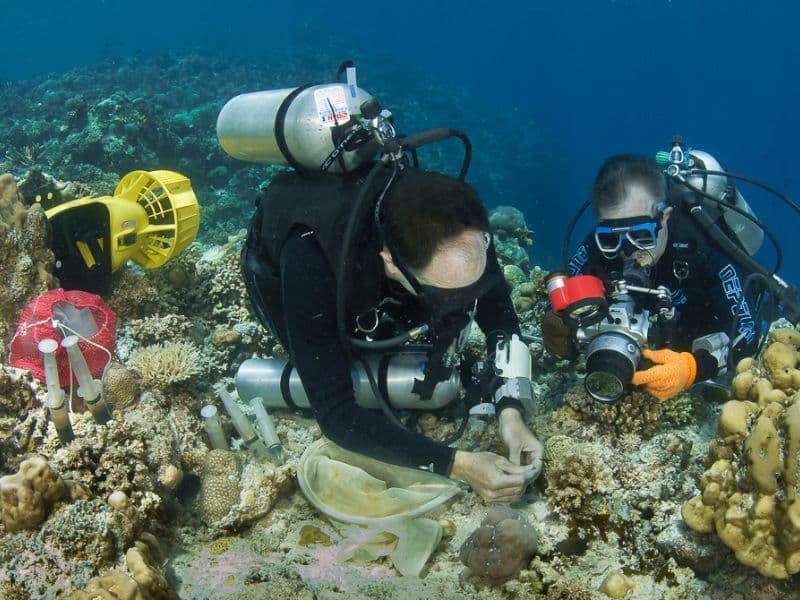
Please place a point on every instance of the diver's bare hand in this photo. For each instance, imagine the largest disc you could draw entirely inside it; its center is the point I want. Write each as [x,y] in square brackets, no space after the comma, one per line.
[523,447]
[493,477]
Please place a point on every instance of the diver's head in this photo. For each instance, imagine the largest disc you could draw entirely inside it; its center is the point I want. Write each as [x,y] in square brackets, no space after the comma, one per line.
[459,261]
[628,199]
[435,231]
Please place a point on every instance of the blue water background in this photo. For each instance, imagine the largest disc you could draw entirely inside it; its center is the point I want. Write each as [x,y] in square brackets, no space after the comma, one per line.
[583,79]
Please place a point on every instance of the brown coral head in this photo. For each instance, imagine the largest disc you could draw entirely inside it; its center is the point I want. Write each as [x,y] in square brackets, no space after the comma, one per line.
[500,548]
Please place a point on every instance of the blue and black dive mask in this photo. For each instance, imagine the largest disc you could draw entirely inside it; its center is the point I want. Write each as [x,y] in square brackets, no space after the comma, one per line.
[628,235]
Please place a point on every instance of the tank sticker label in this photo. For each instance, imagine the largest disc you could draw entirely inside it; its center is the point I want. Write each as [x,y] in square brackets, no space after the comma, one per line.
[332,106]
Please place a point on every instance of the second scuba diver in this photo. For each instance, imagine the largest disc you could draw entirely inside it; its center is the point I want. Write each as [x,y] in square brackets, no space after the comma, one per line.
[423,254]
[677,267]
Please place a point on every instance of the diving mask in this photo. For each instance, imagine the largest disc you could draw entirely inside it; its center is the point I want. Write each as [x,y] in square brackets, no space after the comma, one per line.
[628,235]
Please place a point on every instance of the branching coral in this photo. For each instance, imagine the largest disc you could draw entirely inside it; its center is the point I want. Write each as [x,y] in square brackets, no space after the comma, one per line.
[636,413]
[162,365]
[680,410]
[577,476]
[751,492]
[158,328]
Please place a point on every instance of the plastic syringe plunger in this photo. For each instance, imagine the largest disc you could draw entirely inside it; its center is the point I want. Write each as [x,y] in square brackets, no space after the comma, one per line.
[267,429]
[88,387]
[243,425]
[55,395]
[213,427]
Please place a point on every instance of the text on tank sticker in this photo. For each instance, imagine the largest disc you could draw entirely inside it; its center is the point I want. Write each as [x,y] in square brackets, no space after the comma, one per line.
[332,106]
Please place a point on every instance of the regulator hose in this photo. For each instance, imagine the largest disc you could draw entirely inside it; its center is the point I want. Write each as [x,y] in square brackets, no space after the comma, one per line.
[758,223]
[415,141]
[363,202]
[755,182]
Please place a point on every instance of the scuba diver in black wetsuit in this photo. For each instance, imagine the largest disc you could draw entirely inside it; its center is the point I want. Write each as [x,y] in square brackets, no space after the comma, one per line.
[678,275]
[346,265]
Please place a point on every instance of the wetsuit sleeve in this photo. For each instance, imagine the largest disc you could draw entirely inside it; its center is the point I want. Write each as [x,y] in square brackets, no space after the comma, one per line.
[309,292]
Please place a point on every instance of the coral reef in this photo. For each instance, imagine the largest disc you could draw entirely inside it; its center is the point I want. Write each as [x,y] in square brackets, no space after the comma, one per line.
[606,512]
[509,222]
[120,386]
[511,237]
[500,548]
[18,397]
[577,476]
[27,265]
[163,365]
[220,487]
[141,581]
[637,412]
[750,495]
[27,496]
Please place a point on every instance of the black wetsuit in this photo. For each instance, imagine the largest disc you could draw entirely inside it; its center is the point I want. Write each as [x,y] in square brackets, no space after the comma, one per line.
[706,287]
[305,314]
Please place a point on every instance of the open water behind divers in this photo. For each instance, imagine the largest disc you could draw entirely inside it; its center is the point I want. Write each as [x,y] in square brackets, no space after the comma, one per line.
[582,79]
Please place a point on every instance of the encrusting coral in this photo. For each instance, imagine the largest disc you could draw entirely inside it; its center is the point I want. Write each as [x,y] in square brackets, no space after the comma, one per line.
[750,495]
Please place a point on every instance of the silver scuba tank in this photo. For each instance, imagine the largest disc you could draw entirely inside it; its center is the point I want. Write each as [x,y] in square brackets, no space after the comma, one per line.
[268,378]
[750,235]
[296,126]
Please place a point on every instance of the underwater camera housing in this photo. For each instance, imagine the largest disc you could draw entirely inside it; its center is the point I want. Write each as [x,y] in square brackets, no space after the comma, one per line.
[612,330]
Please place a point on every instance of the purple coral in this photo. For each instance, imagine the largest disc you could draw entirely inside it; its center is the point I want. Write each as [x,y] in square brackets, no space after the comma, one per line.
[501,547]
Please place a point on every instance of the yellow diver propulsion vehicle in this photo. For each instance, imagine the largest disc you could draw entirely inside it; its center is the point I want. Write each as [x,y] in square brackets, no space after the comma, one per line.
[151,217]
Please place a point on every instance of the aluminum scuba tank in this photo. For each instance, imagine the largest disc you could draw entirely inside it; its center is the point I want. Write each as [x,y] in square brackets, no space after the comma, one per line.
[299,126]
[273,378]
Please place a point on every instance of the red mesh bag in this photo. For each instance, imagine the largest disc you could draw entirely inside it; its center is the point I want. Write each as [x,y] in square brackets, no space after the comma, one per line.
[84,312]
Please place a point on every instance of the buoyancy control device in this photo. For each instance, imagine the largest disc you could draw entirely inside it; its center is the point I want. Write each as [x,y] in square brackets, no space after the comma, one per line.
[339,128]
